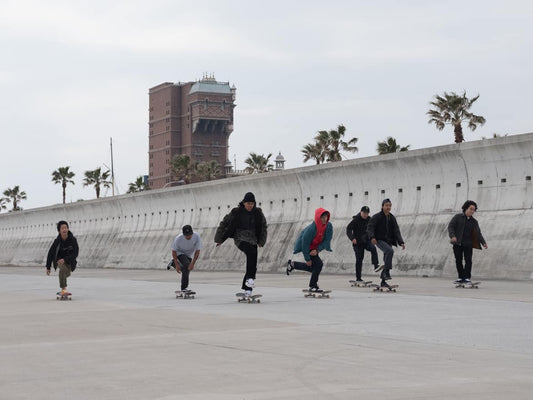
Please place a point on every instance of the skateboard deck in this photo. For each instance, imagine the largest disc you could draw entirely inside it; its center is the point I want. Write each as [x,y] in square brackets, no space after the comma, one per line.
[184,295]
[391,288]
[467,285]
[242,298]
[362,284]
[317,295]
[66,296]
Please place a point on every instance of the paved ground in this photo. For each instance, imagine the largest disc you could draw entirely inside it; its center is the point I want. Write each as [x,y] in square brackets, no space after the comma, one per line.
[125,336]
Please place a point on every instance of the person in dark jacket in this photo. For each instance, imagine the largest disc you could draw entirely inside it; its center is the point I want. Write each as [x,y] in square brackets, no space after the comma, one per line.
[311,241]
[384,232]
[247,225]
[62,255]
[356,232]
[465,235]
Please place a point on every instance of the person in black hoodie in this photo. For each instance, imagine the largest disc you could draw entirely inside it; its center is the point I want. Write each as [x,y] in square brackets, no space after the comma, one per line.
[356,232]
[465,235]
[62,255]
[247,225]
[384,232]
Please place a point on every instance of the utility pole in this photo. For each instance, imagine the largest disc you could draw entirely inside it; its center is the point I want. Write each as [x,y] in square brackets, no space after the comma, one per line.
[112,170]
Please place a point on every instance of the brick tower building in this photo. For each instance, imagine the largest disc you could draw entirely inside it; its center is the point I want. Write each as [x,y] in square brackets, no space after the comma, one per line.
[192,118]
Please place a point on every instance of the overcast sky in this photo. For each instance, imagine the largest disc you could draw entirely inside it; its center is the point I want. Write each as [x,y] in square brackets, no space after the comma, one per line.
[75,73]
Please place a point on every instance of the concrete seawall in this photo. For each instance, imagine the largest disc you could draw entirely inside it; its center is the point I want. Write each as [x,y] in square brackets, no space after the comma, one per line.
[426,187]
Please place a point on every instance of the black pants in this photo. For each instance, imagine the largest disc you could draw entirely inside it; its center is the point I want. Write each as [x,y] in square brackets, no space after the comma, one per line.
[251,262]
[359,250]
[460,252]
[315,269]
[184,262]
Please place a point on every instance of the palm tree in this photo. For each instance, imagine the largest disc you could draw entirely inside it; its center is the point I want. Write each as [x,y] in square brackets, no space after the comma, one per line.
[208,170]
[258,163]
[313,151]
[138,185]
[389,145]
[453,109]
[332,144]
[3,202]
[182,167]
[97,178]
[15,195]
[64,176]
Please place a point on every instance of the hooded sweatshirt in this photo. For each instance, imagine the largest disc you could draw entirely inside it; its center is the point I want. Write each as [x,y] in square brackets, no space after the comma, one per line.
[320,228]
[315,236]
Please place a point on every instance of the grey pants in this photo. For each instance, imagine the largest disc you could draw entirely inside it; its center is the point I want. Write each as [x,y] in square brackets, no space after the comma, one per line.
[64,273]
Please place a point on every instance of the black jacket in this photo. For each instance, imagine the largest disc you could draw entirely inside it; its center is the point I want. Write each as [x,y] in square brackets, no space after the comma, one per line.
[456,227]
[379,229]
[356,229]
[228,225]
[68,249]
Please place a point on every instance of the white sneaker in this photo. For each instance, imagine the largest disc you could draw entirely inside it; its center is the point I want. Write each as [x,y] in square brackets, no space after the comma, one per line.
[250,283]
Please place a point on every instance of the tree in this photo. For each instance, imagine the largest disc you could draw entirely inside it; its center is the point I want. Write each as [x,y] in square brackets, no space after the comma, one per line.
[138,185]
[3,202]
[208,170]
[330,144]
[64,176]
[314,152]
[389,145]
[182,167]
[97,178]
[258,163]
[453,109]
[15,195]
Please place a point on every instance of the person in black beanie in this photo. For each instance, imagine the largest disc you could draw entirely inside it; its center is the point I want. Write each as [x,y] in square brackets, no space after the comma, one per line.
[465,235]
[247,225]
[384,232]
[62,255]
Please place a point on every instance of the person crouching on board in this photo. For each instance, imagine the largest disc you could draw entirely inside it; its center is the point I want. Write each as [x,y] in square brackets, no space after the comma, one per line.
[384,232]
[247,225]
[465,235]
[62,255]
[185,251]
[311,241]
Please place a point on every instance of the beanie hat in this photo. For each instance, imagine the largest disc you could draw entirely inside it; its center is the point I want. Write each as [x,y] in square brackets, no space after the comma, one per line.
[365,209]
[249,197]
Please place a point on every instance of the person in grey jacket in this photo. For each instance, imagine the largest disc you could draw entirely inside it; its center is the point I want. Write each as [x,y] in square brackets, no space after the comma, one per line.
[465,236]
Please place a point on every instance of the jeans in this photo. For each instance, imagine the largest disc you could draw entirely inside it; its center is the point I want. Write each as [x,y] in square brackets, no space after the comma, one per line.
[64,273]
[359,250]
[184,262]
[251,262]
[388,252]
[459,252]
[315,268]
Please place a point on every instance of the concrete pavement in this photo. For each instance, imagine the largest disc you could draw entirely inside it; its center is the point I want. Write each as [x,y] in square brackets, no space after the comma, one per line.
[125,335]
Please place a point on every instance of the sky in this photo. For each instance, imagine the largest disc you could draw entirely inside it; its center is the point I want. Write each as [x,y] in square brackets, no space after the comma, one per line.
[74,74]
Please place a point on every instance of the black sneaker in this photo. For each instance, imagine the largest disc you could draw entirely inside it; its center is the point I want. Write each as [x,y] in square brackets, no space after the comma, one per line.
[378,267]
[384,284]
[171,265]
[315,289]
[458,281]
[359,280]
[289,267]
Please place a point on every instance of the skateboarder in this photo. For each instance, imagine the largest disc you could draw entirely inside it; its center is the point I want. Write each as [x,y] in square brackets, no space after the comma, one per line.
[247,225]
[384,232]
[185,251]
[356,232]
[465,235]
[311,241]
[62,255]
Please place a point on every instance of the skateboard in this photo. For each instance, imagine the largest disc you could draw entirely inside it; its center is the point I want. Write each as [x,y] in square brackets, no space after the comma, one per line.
[391,288]
[467,285]
[184,295]
[66,296]
[242,298]
[362,284]
[317,295]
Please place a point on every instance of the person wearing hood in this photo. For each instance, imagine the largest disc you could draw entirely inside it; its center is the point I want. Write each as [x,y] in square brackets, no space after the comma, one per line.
[62,255]
[384,232]
[465,235]
[310,242]
[356,232]
[247,225]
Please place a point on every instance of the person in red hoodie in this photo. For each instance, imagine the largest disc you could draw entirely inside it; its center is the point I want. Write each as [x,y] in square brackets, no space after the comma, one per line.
[311,241]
